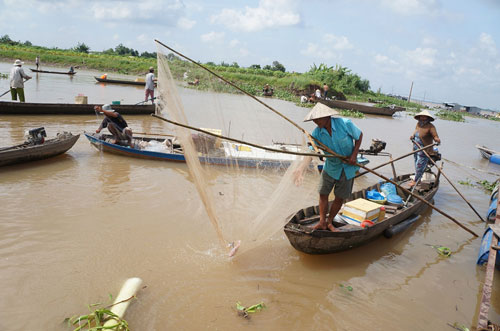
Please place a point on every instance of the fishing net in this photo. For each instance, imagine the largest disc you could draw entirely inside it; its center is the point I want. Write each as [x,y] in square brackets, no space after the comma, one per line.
[247,192]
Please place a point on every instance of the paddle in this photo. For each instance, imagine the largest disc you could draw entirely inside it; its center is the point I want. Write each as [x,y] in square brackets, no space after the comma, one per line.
[145,101]
[449,181]
[320,144]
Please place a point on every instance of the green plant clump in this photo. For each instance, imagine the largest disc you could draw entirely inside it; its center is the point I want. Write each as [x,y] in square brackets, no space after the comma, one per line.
[450,116]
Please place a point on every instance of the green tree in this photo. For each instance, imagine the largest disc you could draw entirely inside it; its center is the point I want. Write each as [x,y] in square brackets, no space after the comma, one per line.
[254,66]
[82,48]
[5,39]
[278,66]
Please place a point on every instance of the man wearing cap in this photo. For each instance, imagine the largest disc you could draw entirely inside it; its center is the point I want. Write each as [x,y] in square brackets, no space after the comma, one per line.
[344,138]
[425,134]
[17,77]
[150,84]
[115,123]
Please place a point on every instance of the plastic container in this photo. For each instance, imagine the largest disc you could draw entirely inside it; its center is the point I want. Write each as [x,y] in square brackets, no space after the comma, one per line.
[394,200]
[388,189]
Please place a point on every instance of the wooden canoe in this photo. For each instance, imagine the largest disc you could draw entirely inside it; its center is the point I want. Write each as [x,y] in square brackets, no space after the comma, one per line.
[486,152]
[33,108]
[30,152]
[297,227]
[54,72]
[225,154]
[363,107]
[119,81]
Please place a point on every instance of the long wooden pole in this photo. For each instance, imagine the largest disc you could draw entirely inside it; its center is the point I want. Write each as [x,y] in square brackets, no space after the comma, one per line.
[333,154]
[320,144]
[449,181]
[394,160]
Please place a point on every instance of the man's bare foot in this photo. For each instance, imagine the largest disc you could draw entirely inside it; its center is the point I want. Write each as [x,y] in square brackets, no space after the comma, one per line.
[411,183]
[319,226]
[332,228]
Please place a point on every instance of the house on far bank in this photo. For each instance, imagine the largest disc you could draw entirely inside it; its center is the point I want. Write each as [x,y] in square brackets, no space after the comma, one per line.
[473,110]
[454,107]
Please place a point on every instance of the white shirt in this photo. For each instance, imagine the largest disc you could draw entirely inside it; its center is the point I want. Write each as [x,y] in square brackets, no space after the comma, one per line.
[16,77]
[318,94]
[150,84]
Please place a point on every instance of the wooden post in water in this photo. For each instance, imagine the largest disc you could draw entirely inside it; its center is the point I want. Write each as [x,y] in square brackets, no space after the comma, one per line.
[484,306]
[409,96]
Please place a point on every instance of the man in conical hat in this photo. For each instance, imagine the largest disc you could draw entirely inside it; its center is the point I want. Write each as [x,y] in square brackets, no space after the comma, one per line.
[343,137]
[17,78]
[425,134]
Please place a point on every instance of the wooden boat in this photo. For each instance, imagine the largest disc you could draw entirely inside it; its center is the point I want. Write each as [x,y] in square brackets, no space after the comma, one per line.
[54,72]
[486,152]
[32,108]
[119,81]
[212,151]
[29,151]
[349,235]
[363,107]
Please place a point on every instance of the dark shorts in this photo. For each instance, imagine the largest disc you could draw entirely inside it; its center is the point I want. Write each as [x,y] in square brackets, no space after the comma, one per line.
[343,186]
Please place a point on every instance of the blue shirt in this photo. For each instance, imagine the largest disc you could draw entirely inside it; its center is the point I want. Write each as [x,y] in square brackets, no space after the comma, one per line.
[344,132]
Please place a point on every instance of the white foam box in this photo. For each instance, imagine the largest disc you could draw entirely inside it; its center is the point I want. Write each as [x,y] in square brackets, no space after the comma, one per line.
[359,210]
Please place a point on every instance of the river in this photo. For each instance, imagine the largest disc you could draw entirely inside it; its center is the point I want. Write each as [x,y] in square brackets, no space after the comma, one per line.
[75,227]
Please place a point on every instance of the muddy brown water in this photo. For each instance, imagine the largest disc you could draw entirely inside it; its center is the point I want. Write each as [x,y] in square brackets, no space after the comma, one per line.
[74,227]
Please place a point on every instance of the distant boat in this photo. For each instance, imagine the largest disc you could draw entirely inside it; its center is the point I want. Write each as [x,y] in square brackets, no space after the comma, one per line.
[363,107]
[54,72]
[30,151]
[33,108]
[119,81]
[486,152]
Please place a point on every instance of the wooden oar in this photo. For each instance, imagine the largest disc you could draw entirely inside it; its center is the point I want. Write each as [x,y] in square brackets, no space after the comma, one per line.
[394,160]
[319,144]
[449,181]
[333,154]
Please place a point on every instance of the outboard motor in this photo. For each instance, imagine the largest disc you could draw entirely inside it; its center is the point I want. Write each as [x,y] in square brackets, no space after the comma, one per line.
[36,136]
[377,146]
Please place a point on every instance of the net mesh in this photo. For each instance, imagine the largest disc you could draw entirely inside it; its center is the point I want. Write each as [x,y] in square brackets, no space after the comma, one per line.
[247,192]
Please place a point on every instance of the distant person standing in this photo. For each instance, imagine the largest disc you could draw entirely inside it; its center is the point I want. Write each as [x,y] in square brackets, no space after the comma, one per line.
[16,78]
[37,62]
[150,84]
[325,90]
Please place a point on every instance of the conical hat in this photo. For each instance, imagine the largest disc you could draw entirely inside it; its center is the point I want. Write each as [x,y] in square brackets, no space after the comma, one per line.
[319,111]
[424,113]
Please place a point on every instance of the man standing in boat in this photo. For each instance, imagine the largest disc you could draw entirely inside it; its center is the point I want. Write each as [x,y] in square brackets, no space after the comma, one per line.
[115,123]
[344,138]
[150,84]
[16,78]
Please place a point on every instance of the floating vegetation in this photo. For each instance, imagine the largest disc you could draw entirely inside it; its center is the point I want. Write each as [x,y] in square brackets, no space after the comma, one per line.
[351,113]
[97,317]
[346,287]
[4,75]
[450,116]
[484,184]
[244,311]
[442,250]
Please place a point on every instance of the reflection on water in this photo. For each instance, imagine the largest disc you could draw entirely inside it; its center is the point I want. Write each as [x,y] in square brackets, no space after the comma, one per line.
[73,228]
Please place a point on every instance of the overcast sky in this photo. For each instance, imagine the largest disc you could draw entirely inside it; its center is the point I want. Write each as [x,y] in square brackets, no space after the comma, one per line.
[450,50]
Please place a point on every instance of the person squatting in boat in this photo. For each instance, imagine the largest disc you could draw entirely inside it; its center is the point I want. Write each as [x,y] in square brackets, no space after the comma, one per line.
[115,123]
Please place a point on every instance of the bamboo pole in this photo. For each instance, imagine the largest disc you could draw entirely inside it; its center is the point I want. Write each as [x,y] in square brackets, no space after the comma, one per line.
[320,144]
[449,181]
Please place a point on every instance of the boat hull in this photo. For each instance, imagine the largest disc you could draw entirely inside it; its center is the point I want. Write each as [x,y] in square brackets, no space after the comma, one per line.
[54,72]
[118,81]
[31,108]
[27,153]
[363,108]
[350,236]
